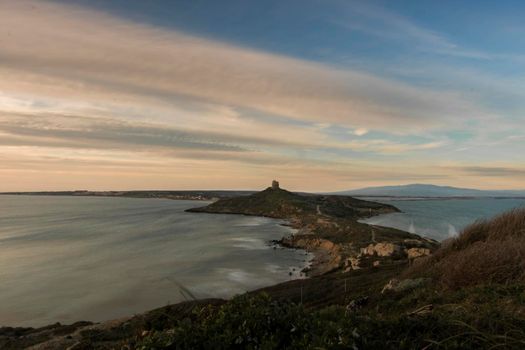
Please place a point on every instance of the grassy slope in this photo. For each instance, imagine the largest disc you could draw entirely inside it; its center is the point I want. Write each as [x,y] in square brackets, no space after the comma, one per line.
[491,251]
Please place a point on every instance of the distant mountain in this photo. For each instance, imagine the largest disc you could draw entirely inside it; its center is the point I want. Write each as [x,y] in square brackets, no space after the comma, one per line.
[423,190]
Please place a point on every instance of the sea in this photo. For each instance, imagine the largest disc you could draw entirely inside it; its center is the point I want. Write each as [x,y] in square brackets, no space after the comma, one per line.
[440,219]
[65,259]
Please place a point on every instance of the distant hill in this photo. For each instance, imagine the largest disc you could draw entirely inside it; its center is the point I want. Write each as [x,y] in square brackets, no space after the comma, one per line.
[423,190]
[189,195]
[282,204]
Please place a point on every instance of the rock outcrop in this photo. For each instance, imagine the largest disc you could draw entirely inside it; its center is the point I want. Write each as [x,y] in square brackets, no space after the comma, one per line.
[383,249]
[327,254]
[414,253]
[352,263]
[378,254]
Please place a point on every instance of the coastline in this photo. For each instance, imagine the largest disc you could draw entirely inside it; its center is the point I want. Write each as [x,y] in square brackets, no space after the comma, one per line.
[323,256]
[317,235]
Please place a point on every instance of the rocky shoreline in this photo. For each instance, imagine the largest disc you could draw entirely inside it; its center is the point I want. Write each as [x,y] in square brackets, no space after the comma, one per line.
[326,255]
[329,256]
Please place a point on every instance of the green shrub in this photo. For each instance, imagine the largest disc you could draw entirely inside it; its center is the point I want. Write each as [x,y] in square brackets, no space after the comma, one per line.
[476,321]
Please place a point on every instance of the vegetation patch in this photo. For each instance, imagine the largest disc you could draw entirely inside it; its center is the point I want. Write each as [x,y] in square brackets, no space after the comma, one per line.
[490,251]
[474,319]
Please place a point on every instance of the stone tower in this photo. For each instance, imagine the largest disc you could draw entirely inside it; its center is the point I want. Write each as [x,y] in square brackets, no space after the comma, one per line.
[275,185]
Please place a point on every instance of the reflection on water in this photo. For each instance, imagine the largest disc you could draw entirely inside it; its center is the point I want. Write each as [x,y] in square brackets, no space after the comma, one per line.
[441,218]
[64,259]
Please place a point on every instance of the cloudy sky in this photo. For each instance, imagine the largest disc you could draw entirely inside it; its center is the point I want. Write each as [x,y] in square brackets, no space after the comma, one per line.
[323,95]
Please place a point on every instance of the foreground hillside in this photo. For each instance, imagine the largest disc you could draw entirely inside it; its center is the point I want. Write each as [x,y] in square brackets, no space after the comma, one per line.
[443,301]
[487,251]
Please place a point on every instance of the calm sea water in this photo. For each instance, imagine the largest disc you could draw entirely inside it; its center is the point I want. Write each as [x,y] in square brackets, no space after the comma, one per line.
[65,259]
[441,219]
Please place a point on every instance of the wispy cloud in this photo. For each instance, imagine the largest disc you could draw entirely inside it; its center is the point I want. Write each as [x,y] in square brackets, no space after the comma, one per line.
[129,105]
[99,133]
[494,171]
[80,54]
[379,22]
[57,130]
[360,131]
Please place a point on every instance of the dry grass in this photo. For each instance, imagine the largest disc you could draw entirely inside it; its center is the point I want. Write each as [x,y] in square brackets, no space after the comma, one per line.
[489,251]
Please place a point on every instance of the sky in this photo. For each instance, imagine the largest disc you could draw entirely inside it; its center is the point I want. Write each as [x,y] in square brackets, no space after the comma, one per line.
[323,95]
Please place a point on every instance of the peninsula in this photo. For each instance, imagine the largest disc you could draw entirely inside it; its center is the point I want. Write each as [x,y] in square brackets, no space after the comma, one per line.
[328,226]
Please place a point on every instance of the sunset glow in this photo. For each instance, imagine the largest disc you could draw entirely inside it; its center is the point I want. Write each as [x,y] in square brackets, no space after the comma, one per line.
[108,97]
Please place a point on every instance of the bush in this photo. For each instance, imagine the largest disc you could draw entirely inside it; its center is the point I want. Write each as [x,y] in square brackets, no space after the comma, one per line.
[486,252]
[258,322]
[243,323]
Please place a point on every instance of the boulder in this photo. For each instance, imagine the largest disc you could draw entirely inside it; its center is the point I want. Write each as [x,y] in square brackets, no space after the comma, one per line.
[326,244]
[352,263]
[414,253]
[384,249]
